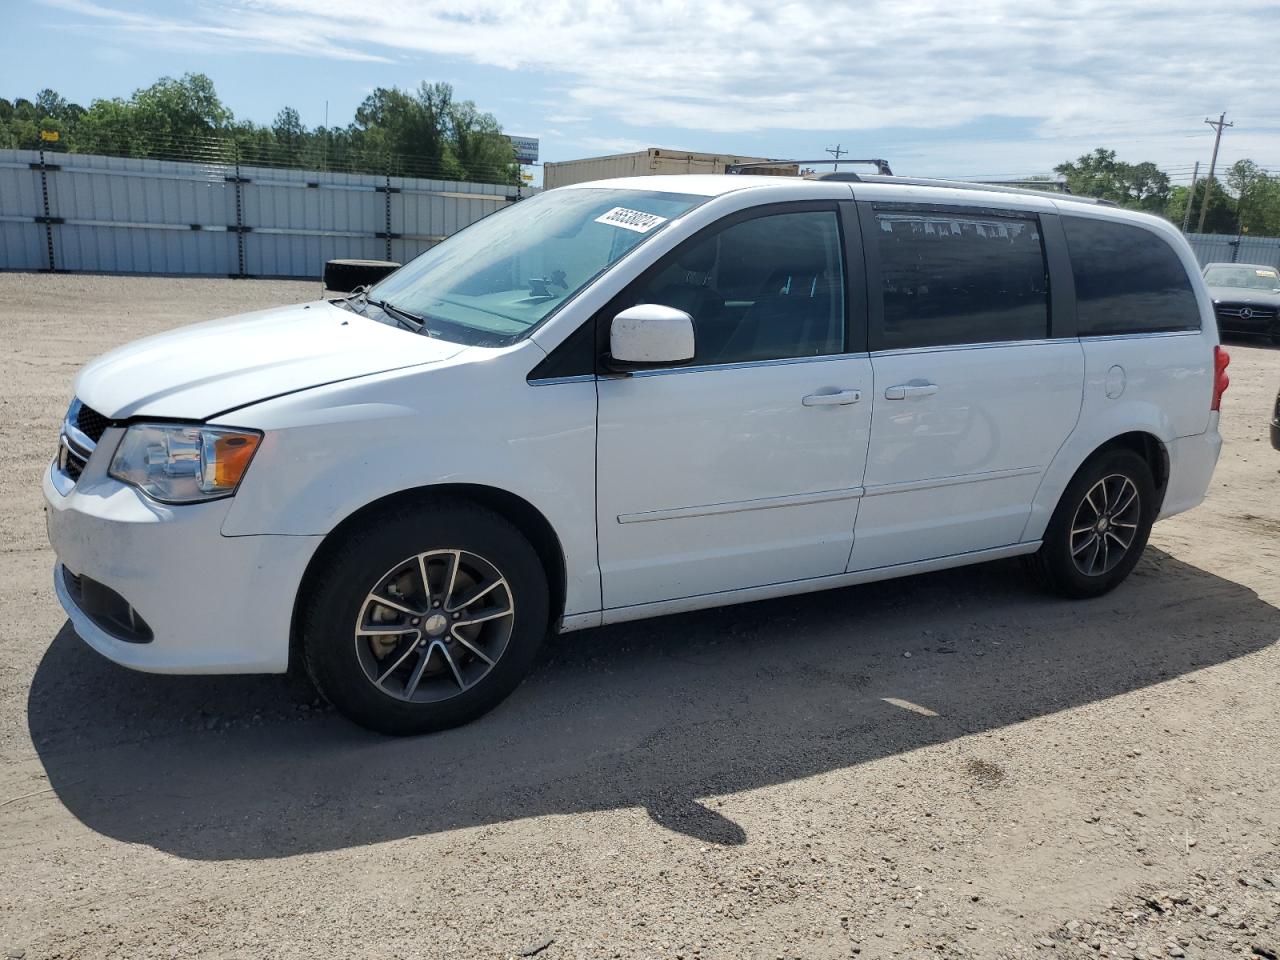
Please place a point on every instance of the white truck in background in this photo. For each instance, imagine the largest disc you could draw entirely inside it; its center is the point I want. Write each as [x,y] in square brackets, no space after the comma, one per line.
[651,162]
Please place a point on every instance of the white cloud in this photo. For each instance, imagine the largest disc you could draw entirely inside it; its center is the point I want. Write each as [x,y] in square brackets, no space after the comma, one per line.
[256,32]
[1093,71]
[606,145]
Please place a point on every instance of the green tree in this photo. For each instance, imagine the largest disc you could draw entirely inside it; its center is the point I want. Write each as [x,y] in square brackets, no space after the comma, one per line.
[1145,186]
[1139,186]
[404,133]
[180,113]
[289,135]
[424,132]
[111,127]
[1221,215]
[1257,198]
[481,149]
[49,103]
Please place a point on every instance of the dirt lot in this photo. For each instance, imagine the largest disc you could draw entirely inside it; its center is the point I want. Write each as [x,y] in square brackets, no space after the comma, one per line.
[951,765]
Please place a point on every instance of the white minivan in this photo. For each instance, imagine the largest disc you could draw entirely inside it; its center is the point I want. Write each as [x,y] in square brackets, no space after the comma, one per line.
[630,398]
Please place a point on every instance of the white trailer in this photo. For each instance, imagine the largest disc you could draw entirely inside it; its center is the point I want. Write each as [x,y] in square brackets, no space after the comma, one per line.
[649,163]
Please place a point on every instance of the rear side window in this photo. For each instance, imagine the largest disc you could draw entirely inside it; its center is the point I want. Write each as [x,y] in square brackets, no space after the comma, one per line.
[960,278]
[1128,280]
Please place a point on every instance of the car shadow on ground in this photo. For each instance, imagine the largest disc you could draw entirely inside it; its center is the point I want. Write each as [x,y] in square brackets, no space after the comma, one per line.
[654,714]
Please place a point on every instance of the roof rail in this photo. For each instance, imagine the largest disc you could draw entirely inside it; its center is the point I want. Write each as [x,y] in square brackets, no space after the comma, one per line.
[990,188]
[882,167]
[885,175]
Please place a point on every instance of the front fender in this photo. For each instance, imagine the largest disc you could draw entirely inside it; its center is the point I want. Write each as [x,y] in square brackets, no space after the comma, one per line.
[329,452]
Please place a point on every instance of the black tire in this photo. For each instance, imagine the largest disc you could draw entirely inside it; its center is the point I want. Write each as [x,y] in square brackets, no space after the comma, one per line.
[1056,567]
[338,598]
[343,276]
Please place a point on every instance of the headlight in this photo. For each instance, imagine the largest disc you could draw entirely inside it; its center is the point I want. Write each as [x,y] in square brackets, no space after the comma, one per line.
[180,463]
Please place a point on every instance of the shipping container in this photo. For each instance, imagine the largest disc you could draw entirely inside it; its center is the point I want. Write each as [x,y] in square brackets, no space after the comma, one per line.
[645,163]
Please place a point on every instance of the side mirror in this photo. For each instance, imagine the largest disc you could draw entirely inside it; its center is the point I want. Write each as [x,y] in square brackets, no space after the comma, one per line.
[650,335]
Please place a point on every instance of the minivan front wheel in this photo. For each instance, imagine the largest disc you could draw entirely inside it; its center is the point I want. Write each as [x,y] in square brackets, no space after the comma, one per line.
[1100,527]
[426,618]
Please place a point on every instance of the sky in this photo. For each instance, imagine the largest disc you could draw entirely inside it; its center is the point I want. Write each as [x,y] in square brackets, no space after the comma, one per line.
[976,89]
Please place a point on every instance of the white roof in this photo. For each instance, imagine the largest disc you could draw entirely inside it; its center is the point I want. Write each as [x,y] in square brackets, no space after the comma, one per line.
[871,187]
[699,184]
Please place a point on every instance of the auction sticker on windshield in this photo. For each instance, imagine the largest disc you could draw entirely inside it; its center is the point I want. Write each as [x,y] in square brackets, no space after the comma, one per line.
[636,220]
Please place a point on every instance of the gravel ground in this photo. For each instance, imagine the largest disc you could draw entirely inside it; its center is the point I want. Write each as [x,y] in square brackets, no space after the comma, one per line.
[953,765]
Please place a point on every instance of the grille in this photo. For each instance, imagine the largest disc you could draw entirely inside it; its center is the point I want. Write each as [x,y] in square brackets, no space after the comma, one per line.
[91,423]
[81,432]
[72,463]
[1237,311]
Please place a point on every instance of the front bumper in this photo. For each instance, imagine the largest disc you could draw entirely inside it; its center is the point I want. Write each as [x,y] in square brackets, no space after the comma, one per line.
[214,604]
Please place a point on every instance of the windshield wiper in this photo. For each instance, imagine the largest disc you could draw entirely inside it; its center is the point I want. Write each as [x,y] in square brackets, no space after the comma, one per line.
[410,321]
[350,300]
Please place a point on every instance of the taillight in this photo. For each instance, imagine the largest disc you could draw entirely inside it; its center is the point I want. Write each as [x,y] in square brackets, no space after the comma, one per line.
[1220,379]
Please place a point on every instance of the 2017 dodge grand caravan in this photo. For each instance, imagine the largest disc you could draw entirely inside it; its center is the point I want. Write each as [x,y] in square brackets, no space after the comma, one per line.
[630,398]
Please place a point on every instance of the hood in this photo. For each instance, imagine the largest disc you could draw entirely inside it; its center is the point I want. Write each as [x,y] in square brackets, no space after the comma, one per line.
[1263,298]
[205,369]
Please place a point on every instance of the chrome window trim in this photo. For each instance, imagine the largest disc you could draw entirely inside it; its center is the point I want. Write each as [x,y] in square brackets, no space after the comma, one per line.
[555,381]
[746,364]
[985,345]
[1143,335]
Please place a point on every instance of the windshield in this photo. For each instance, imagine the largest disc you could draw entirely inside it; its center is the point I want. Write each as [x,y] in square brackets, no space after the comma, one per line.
[1251,278]
[500,277]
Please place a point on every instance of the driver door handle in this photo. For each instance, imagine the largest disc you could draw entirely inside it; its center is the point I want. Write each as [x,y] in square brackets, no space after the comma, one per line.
[910,391]
[837,399]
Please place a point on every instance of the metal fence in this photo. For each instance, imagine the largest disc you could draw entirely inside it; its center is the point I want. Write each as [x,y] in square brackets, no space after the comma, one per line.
[68,211]
[1217,248]
[71,211]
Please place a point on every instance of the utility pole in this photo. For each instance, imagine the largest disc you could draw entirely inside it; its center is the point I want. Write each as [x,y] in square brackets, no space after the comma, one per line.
[1191,198]
[837,151]
[1213,162]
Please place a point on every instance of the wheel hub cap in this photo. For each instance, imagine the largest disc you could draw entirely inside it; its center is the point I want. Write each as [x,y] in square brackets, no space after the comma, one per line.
[1105,525]
[434,625]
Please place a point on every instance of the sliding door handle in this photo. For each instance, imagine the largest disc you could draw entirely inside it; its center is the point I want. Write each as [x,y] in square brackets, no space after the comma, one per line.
[910,391]
[837,399]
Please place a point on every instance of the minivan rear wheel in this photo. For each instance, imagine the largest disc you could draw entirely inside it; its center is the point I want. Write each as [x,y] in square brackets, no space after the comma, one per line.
[425,618]
[1100,527]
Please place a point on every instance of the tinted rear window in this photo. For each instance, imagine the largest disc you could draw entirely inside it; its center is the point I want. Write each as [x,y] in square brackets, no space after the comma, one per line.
[1128,280]
[960,278]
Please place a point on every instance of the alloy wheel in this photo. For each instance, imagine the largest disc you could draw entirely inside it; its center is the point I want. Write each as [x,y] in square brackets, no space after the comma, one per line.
[434,625]
[1105,525]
